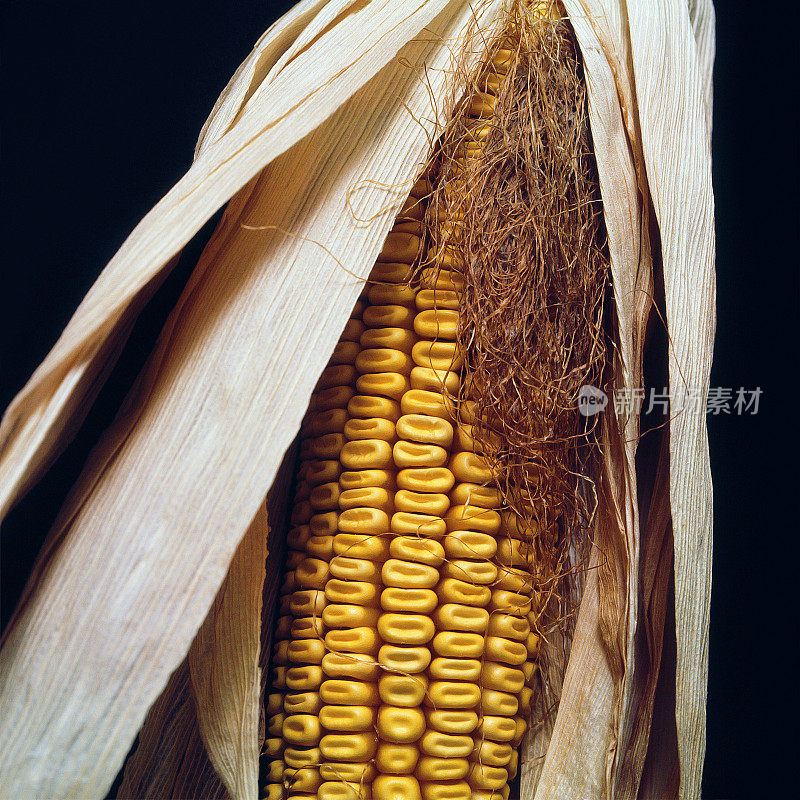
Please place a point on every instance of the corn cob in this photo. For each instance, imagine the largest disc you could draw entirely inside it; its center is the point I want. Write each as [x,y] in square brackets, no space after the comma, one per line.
[405,643]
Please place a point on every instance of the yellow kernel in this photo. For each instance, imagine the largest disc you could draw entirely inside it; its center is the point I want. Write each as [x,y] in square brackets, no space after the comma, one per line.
[468,544]
[320,547]
[451,694]
[391,315]
[328,446]
[340,790]
[495,754]
[303,679]
[428,299]
[386,384]
[343,771]
[408,524]
[421,428]
[407,629]
[273,747]
[437,323]
[445,745]
[412,660]
[420,601]
[365,478]
[453,590]
[513,579]
[500,704]
[347,719]
[400,247]
[423,401]
[350,665]
[396,787]
[406,691]
[306,651]
[458,617]
[359,545]
[274,704]
[510,602]
[441,769]
[513,552]
[414,454]
[502,678]
[344,353]
[297,537]
[396,759]
[360,593]
[299,757]
[426,479]
[449,790]
[444,356]
[409,574]
[396,273]
[421,503]
[398,293]
[473,518]
[332,421]
[458,644]
[354,640]
[312,573]
[302,730]
[481,573]
[472,494]
[335,397]
[497,729]
[367,454]
[383,359]
[301,703]
[423,551]
[368,406]
[452,721]
[307,603]
[434,380]
[482,776]
[275,724]
[322,525]
[340,615]
[400,339]
[505,650]
[400,725]
[368,497]
[455,669]
[372,428]
[340,692]
[354,569]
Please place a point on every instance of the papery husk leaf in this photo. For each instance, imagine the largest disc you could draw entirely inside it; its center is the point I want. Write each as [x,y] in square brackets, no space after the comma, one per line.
[170,760]
[146,539]
[200,739]
[224,667]
[673,101]
[294,102]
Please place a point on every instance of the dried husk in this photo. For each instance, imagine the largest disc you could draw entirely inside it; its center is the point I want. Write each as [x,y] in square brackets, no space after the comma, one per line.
[316,141]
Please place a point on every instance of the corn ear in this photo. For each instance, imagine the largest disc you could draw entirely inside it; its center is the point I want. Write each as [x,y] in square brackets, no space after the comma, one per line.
[340,101]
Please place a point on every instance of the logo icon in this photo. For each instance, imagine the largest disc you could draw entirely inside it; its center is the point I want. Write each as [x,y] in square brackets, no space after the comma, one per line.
[591,400]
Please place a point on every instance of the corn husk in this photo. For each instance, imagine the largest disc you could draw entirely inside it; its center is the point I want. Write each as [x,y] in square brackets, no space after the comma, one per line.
[150,580]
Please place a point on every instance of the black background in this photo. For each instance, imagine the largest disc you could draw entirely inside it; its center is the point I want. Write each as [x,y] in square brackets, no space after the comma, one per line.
[103,104]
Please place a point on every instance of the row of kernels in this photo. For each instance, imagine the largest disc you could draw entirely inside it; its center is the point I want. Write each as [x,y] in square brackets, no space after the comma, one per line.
[401,656]
[352,692]
[293,731]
